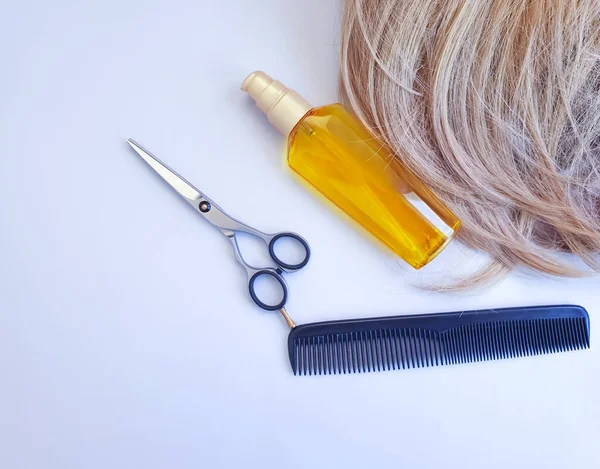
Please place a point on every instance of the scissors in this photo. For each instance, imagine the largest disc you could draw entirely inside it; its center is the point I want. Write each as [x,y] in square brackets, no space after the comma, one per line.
[229,226]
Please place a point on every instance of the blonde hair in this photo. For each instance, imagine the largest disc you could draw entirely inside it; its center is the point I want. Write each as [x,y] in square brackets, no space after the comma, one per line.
[495,106]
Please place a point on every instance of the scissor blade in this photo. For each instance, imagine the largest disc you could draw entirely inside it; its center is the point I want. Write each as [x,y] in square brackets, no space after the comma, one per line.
[184,188]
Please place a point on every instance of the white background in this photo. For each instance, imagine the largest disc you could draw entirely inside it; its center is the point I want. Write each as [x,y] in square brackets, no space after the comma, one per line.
[127,338]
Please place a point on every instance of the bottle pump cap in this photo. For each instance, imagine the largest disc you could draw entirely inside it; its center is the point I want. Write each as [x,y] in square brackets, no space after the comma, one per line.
[284,107]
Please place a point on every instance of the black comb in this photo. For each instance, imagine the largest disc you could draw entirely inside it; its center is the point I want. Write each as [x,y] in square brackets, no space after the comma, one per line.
[389,343]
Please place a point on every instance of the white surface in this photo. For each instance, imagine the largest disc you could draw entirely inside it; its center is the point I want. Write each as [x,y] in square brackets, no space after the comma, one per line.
[127,338]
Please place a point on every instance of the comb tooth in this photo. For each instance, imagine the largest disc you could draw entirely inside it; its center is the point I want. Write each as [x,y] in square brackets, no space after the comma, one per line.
[586,334]
[352,351]
[340,352]
[497,348]
[480,349]
[562,334]
[557,331]
[491,330]
[341,356]
[353,358]
[580,333]
[528,337]
[497,341]
[419,347]
[450,345]
[515,338]
[443,348]
[343,353]
[413,347]
[396,349]
[405,347]
[538,338]
[510,345]
[400,347]
[534,338]
[363,352]
[468,335]
[393,349]
[321,360]
[317,347]
[464,339]
[453,333]
[435,345]
[456,344]
[346,346]
[392,343]
[492,335]
[548,333]
[339,348]
[428,354]
[576,333]
[565,334]
[485,341]
[571,335]
[521,338]
[410,356]
[380,350]
[368,350]
[377,345]
[295,361]
[355,351]
[460,343]
[514,334]
[531,337]
[512,338]
[333,354]
[543,336]
[438,344]
[480,342]
[429,344]
[552,325]
[471,342]
[422,349]
[503,337]
[503,340]
[326,354]
[300,356]
[351,354]
[313,355]
[304,354]
[386,351]
[555,336]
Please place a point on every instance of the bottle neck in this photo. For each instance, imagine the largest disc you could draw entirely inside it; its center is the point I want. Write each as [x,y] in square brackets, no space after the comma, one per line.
[283,107]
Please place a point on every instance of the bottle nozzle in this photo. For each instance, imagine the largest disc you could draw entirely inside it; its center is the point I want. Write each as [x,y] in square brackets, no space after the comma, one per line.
[284,107]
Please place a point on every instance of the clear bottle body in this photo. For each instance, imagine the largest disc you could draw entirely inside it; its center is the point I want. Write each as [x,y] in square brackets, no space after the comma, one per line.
[337,155]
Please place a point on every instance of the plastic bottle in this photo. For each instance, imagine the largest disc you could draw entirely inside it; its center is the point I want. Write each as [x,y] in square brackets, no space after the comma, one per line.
[335,153]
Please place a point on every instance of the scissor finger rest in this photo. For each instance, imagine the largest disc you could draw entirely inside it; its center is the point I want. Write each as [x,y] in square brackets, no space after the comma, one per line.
[297,239]
[255,297]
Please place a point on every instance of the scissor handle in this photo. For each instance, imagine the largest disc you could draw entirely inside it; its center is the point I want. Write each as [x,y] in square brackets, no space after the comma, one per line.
[284,265]
[284,290]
